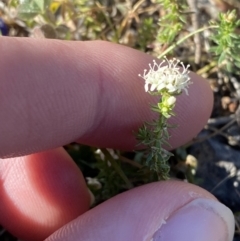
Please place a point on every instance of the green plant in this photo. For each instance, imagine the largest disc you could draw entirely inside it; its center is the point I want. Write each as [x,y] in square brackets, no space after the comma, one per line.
[172,22]
[227,41]
[169,80]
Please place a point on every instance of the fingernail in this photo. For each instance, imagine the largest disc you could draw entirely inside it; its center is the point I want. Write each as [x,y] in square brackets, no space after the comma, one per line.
[201,219]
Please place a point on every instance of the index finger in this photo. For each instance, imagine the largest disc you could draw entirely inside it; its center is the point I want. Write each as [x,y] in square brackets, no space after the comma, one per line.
[55,92]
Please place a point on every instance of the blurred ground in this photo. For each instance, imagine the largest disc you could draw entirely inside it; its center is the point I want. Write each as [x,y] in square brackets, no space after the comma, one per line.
[212,160]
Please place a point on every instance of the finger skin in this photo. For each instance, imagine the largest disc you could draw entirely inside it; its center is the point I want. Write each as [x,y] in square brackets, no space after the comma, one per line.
[137,215]
[40,193]
[55,92]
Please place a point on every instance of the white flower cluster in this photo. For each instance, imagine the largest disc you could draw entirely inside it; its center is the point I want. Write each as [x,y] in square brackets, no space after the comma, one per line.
[169,77]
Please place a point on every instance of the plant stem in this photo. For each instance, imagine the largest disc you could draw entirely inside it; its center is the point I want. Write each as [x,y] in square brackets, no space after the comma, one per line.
[170,48]
[158,144]
[117,168]
[206,68]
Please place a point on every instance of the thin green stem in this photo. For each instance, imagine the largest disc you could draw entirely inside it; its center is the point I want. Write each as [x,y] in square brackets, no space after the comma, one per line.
[117,168]
[207,68]
[170,48]
[116,37]
[158,144]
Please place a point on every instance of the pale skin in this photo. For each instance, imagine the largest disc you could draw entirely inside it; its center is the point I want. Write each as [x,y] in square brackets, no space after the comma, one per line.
[56,92]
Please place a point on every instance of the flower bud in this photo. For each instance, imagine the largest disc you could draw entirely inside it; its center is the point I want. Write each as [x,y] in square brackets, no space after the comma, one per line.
[171,100]
[230,17]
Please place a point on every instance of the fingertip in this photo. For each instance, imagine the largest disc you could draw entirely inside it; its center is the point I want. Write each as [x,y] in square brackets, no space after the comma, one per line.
[88,92]
[145,213]
[40,193]
[200,219]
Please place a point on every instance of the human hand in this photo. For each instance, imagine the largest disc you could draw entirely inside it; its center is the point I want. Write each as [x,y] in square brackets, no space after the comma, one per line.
[55,92]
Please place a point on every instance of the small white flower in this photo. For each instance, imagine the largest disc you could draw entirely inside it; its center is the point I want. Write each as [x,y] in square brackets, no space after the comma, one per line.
[170,77]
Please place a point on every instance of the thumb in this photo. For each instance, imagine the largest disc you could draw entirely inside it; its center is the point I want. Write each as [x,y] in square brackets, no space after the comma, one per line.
[163,211]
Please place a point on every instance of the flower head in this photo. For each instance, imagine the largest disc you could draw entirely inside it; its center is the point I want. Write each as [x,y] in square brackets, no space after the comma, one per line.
[169,77]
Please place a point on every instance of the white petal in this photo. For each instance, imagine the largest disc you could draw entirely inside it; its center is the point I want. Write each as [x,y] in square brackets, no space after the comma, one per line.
[161,86]
[153,87]
[146,87]
[186,90]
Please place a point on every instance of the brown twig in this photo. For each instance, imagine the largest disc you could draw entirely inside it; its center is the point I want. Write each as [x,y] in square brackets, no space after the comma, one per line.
[217,132]
[195,24]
